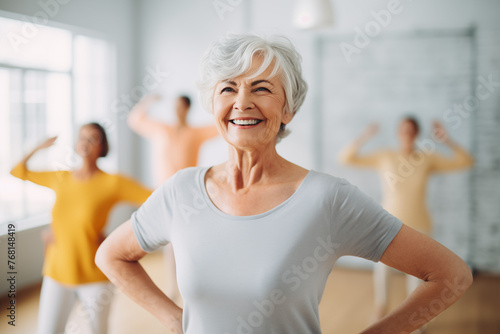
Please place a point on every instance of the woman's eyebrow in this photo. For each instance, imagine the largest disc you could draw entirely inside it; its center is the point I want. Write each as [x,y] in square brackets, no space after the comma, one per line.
[261,81]
[229,82]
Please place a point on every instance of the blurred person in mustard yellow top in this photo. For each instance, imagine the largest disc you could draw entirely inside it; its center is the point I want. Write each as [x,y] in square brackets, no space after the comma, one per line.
[174,147]
[84,198]
[404,174]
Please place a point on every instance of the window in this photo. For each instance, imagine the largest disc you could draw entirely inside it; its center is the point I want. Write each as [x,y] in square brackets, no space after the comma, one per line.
[49,85]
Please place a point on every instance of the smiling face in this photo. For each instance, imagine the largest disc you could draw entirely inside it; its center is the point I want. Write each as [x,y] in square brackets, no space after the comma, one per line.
[249,111]
[89,143]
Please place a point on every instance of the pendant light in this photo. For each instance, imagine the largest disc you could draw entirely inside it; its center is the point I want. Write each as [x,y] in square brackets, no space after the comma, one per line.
[312,14]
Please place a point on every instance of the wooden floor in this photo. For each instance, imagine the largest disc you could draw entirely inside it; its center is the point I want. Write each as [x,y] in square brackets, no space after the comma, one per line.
[346,307]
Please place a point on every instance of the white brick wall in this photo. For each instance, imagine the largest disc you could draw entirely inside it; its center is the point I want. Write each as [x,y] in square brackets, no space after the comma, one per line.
[418,73]
[486,175]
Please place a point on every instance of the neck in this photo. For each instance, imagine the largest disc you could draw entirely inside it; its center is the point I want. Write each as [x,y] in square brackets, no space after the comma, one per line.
[407,148]
[181,122]
[89,166]
[246,167]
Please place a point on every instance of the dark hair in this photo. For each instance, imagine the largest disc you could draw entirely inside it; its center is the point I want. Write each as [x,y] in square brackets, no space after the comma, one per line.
[186,100]
[413,120]
[102,136]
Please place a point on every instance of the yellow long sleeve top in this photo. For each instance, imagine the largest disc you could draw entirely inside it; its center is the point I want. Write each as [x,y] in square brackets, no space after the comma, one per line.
[79,216]
[404,179]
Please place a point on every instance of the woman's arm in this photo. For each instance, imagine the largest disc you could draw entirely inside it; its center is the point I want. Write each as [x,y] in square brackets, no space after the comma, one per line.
[461,158]
[118,258]
[350,155]
[45,144]
[22,172]
[446,277]
[207,132]
[140,122]
[131,191]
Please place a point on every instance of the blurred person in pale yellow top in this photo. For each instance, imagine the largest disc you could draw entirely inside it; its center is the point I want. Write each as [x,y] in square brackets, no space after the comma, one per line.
[174,147]
[404,173]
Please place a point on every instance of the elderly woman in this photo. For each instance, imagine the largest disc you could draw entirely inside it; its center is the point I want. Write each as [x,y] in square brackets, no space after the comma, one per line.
[256,237]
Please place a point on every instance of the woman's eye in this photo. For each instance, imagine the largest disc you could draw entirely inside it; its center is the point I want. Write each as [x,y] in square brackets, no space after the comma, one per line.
[227,89]
[262,89]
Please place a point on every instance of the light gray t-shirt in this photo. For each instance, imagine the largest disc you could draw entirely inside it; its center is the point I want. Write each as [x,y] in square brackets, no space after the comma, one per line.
[263,273]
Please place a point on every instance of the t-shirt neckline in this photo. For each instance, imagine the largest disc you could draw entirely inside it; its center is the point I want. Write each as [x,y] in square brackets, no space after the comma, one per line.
[211,205]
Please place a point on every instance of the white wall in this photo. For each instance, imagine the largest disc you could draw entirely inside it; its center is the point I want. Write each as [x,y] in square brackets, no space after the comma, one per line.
[175,34]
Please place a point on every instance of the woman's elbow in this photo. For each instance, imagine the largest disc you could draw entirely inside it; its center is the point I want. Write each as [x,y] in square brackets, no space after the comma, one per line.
[459,278]
[102,257]
[466,276]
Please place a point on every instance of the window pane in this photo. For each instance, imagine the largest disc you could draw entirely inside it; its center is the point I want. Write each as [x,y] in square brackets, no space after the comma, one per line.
[27,45]
[93,71]
[11,199]
[38,82]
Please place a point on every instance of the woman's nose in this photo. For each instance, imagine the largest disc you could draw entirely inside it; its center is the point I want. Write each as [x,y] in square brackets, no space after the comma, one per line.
[243,100]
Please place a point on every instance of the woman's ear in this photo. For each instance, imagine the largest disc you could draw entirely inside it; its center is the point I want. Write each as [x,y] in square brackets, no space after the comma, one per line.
[287,117]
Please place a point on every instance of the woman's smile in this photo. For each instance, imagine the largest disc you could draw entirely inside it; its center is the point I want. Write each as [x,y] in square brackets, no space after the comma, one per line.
[245,122]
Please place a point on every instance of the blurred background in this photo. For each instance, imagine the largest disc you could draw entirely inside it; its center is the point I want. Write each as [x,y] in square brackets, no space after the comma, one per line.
[67,62]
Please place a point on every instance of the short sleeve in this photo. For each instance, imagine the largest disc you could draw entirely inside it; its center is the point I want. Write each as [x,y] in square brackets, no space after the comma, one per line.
[152,222]
[360,226]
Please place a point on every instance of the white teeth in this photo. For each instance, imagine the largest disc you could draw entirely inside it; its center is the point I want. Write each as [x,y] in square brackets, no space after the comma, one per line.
[245,121]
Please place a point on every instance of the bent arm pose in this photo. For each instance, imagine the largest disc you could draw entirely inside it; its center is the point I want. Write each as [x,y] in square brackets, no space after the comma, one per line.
[256,237]
[84,198]
[350,155]
[445,279]
[118,257]
[139,120]
[461,158]
[404,185]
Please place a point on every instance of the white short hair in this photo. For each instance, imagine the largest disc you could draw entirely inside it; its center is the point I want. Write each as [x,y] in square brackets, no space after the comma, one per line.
[232,56]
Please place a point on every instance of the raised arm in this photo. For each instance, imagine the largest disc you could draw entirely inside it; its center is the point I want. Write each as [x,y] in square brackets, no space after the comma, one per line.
[446,277]
[22,172]
[207,132]
[461,158]
[350,155]
[118,258]
[139,121]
